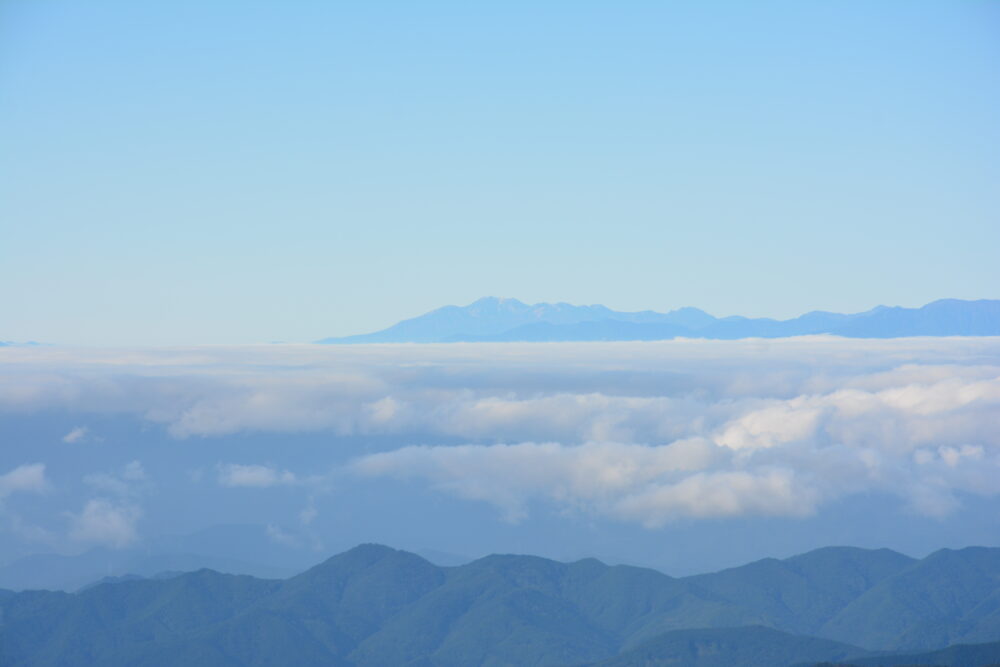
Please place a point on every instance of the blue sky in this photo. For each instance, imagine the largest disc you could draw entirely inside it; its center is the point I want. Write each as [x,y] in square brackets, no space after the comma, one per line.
[190,172]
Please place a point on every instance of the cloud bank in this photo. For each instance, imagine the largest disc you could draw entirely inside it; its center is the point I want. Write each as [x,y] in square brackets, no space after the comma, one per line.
[639,432]
[650,484]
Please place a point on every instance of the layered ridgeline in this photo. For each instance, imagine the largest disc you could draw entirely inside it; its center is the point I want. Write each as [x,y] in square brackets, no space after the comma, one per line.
[510,320]
[377,606]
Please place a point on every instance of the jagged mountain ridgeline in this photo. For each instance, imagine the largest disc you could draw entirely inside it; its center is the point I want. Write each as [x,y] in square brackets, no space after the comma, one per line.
[493,319]
[374,605]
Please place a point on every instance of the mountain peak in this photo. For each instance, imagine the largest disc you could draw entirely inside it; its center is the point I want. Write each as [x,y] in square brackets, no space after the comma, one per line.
[495,300]
[495,304]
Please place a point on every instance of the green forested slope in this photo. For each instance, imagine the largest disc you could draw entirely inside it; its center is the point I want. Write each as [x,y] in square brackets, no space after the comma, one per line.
[802,593]
[374,605]
[949,597]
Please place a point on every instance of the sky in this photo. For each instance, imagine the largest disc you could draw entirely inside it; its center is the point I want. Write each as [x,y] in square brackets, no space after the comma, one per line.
[233,172]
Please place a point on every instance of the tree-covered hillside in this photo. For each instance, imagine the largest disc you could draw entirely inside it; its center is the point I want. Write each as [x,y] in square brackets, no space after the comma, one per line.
[374,605]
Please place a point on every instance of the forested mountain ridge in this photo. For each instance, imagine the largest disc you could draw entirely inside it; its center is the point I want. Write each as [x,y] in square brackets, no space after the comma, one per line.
[374,605]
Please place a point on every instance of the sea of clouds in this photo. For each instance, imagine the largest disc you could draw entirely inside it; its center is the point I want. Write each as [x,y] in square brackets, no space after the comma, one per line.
[642,432]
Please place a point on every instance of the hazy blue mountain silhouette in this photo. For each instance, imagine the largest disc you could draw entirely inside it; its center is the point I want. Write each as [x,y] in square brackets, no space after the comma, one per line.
[212,548]
[57,572]
[493,319]
[374,605]
[492,316]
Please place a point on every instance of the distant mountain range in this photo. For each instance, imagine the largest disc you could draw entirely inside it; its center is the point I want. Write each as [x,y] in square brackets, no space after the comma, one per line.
[229,548]
[57,572]
[493,319]
[374,605]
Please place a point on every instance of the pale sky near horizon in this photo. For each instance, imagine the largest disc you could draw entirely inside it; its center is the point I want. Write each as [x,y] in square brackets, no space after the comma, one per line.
[226,172]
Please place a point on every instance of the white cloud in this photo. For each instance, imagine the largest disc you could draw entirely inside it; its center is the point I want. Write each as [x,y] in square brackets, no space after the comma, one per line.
[234,474]
[131,481]
[78,434]
[777,423]
[28,478]
[107,523]
[565,392]
[279,536]
[721,494]
[111,520]
[650,485]
[308,513]
[134,472]
[925,441]
[689,478]
[26,531]
[643,432]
